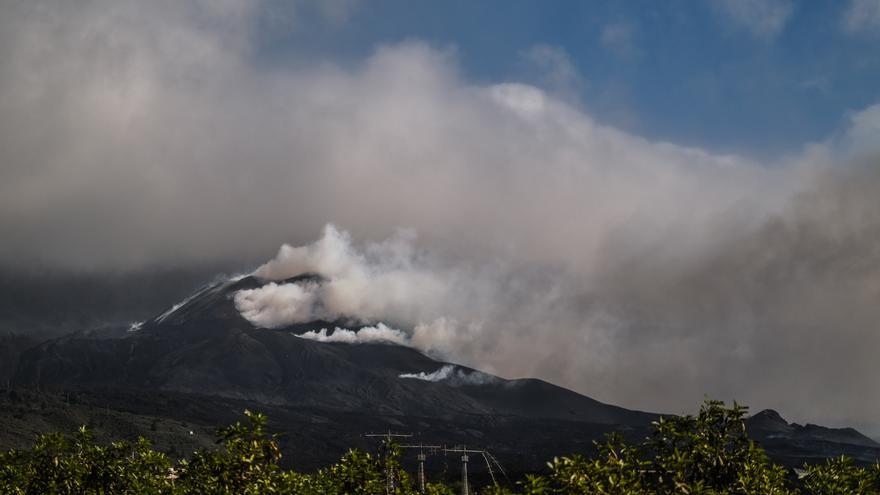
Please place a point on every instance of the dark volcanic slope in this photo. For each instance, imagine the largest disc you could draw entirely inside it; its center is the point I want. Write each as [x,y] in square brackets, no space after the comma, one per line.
[204,346]
[201,362]
[794,444]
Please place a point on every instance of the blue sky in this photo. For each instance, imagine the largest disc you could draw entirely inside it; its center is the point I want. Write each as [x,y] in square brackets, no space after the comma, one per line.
[759,78]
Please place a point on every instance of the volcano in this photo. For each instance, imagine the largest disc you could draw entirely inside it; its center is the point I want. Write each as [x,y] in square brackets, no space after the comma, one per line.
[199,363]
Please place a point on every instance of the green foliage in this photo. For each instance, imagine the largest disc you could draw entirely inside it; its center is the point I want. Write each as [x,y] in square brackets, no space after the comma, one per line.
[841,476]
[357,473]
[248,463]
[618,468]
[709,453]
[58,464]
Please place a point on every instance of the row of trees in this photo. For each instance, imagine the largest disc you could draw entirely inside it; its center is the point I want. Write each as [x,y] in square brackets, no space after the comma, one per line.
[709,453]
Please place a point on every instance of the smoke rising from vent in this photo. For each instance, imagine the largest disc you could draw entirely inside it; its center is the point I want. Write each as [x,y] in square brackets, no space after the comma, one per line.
[368,335]
[435,376]
[274,306]
[453,376]
[424,337]
[636,271]
[387,281]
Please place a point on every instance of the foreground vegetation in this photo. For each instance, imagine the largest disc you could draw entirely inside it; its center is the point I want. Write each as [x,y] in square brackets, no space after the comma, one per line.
[709,453]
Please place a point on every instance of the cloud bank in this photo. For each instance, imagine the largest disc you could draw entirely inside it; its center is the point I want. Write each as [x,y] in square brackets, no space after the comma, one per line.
[639,272]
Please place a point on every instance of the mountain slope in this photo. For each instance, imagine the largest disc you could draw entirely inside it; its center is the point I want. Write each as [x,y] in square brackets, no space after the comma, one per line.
[200,361]
[204,346]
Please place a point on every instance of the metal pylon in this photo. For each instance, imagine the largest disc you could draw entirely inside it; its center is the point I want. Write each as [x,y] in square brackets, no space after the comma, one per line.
[464,474]
[421,458]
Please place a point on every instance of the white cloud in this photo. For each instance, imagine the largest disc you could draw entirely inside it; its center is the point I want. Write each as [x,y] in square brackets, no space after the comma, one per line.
[764,19]
[862,17]
[618,38]
[861,136]
[556,70]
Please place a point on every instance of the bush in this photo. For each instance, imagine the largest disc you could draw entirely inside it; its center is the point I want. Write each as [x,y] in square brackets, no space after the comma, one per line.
[57,464]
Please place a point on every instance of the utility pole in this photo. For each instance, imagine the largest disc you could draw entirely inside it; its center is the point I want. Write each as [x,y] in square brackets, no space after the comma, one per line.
[464,477]
[421,458]
[465,489]
[390,481]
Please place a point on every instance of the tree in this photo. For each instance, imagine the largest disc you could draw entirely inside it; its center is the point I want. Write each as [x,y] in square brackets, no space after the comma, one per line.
[709,453]
[61,465]
[247,464]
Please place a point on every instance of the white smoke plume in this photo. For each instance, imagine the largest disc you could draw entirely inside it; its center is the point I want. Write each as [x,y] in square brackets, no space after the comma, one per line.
[390,281]
[382,281]
[453,375]
[380,333]
[387,281]
[274,305]
[434,376]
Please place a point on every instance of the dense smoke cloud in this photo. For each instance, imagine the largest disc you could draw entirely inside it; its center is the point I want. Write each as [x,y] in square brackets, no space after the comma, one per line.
[388,280]
[643,273]
[274,306]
